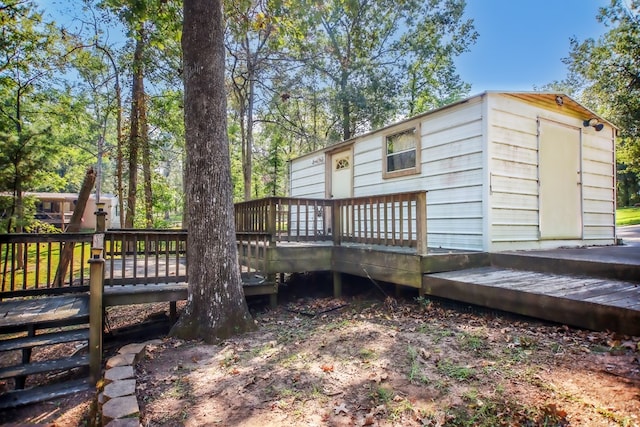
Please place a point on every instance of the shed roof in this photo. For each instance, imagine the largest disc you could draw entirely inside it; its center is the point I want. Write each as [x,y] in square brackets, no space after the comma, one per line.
[544,99]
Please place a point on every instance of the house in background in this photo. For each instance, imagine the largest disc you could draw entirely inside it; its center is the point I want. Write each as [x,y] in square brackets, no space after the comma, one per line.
[502,171]
[57,209]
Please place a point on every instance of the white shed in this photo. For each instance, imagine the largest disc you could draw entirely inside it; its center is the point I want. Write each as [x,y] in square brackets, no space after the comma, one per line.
[502,170]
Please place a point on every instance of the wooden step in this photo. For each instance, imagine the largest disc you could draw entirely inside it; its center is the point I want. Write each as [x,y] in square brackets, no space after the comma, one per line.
[29,396]
[19,315]
[45,366]
[44,339]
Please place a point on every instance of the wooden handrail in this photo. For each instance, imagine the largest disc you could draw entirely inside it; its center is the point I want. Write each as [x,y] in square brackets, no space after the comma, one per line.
[398,219]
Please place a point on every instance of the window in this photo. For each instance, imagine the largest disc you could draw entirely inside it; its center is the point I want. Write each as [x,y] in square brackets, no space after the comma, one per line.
[401,151]
[342,163]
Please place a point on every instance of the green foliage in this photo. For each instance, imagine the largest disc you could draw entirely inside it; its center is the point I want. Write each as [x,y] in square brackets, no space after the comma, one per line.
[381,58]
[605,73]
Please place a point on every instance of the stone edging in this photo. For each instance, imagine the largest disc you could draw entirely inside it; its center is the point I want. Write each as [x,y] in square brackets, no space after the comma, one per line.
[117,403]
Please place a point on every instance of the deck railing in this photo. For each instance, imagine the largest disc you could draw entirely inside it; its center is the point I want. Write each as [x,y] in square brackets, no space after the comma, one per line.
[385,220]
[29,263]
[286,218]
[142,256]
[392,220]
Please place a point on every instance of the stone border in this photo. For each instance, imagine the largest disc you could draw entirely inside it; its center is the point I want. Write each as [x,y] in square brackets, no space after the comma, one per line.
[117,403]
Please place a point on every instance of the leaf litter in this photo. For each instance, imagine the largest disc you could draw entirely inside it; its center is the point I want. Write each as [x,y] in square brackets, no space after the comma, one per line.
[414,362]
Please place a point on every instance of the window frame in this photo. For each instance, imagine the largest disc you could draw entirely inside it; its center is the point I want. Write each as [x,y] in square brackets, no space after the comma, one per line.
[386,174]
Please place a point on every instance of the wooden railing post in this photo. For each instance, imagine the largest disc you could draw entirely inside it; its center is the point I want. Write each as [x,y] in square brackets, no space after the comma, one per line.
[96,289]
[336,222]
[272,219]
[421,223]
[100,218]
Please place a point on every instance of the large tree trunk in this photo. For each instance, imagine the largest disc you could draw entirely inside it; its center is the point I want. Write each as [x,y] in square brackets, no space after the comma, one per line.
[216,308]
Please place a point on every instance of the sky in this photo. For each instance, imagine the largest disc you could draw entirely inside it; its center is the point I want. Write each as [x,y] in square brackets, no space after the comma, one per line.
[521,43]
[520,46]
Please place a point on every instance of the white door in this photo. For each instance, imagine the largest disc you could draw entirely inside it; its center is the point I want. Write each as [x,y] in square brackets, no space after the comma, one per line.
[342,187]
[560,181]
[341,175]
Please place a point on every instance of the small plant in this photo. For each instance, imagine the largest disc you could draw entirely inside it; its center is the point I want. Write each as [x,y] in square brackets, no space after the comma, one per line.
[423,302]
[439,335]
[451,370]
[367,354]
[415,368]
[382,395]
[472,342]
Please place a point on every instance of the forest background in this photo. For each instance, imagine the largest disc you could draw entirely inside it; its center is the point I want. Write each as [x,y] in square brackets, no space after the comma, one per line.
[104,89]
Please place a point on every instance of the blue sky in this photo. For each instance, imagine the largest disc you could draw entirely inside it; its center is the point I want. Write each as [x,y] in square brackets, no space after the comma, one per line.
[521,43]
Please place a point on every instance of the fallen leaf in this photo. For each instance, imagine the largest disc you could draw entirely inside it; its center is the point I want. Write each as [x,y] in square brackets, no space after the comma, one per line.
[341,408]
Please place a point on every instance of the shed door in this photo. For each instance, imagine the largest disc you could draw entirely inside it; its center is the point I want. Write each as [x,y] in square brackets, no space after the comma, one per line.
[560,187]
[341,175]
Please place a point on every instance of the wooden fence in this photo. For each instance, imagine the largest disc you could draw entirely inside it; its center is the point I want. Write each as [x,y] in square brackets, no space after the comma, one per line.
[385,220]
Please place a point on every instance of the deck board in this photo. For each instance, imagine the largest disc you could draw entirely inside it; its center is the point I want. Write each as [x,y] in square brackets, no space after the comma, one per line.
[575,300]
[40,311]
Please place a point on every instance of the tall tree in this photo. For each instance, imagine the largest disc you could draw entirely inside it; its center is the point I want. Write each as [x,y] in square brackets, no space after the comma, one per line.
[30,56]
[250,37]
[608,71]
[370,51]
[216,307]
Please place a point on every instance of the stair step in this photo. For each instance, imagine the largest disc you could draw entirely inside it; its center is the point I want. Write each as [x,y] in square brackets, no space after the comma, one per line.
[44,339]
[45,366]
[28,396]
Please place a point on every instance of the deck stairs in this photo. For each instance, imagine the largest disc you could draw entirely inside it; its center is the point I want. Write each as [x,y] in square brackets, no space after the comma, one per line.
[26,327]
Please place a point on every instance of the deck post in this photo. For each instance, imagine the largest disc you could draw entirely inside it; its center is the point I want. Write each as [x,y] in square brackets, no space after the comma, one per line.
[96,290]
[421,223]
[337,284]
[335,222]
[100,217]
[271,220]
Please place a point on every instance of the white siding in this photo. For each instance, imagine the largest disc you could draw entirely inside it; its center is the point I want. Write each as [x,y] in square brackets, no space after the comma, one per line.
[454,177]
[479,165]
[513,176]
[598,185]
[308,177]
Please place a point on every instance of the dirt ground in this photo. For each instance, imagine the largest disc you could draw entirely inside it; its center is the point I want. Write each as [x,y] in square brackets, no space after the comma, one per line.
[367,360]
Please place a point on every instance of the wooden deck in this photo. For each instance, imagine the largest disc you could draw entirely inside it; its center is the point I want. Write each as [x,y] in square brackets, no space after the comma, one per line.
[587,302]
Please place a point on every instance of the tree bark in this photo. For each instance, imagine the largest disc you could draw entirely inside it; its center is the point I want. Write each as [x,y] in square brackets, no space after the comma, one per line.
[216,307]
[146,158]
[74,226]
[137,99]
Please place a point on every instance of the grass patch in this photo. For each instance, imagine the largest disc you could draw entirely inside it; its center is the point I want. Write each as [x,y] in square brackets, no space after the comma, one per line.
[415,374]
[472,342]
[382,395]
[480,412]
[456,372]
[628,216]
